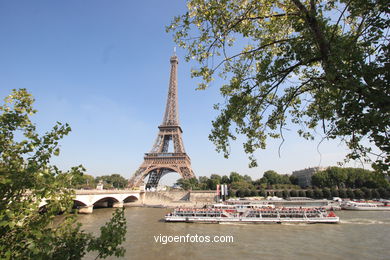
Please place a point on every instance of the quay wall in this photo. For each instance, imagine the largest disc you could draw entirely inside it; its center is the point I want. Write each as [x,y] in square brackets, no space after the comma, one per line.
[178,198]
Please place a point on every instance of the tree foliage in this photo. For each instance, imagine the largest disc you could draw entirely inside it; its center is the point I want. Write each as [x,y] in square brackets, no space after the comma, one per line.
[84,181]
[188,184]
[318,64]
[27,178]
[271,177]
[116,181]
[349,178]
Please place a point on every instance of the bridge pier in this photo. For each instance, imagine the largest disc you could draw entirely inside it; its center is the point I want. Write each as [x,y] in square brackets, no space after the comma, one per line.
[86,209]
[117,205]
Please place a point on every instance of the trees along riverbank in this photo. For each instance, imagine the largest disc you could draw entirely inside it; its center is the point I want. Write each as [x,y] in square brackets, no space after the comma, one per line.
[353,183]
[86,181]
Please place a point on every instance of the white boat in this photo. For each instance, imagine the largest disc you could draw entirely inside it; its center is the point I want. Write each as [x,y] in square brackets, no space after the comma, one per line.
[251,215]
[369,206]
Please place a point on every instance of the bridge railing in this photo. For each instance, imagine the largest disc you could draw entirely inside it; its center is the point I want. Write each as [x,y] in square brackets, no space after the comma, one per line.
[94,191]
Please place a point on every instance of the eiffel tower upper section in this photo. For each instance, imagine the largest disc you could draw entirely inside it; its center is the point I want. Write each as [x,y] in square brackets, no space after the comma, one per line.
[171,115]
[159,161]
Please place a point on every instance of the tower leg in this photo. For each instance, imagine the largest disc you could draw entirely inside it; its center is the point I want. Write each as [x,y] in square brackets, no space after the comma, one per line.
[154,178]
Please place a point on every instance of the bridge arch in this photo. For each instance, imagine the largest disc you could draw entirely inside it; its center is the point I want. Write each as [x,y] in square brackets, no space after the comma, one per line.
[105,202]
[79,203]
[130,199]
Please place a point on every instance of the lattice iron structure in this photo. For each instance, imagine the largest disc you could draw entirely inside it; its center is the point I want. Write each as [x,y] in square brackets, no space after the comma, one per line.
[160,161]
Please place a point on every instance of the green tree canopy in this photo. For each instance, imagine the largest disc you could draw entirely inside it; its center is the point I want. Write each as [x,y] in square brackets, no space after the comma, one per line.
[213,181]
[116,181]
[84,181]
[225,179]
[27,178]
[188,184]
[235,177]
[317,64]
[349,177]
[271,177]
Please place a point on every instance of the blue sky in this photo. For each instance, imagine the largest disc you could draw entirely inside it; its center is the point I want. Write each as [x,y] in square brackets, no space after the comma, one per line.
[103,67]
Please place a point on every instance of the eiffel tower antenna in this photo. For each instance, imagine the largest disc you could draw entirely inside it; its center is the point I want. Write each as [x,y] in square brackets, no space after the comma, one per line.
[159,161]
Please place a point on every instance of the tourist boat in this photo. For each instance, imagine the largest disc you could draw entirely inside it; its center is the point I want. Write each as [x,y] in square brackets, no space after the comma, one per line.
[352,205]
[251,215]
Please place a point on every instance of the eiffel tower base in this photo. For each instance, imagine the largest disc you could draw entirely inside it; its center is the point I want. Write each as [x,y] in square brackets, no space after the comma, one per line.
[156,165]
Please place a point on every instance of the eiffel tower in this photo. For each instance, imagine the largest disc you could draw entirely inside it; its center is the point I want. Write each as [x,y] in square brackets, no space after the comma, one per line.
[159,161]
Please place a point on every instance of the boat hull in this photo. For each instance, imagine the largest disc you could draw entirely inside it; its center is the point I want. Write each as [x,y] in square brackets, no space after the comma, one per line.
[366,208]
[328,220]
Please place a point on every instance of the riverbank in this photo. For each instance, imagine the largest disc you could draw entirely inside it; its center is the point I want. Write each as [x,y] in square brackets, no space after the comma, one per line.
[198,199]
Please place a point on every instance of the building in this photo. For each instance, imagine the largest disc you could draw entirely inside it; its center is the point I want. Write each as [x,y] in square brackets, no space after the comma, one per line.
[304,176]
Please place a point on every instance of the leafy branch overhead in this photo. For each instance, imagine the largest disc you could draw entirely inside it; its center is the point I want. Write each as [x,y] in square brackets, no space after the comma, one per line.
[318,64]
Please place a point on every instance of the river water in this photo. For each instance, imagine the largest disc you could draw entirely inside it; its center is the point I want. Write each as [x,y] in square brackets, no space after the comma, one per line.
[360,235]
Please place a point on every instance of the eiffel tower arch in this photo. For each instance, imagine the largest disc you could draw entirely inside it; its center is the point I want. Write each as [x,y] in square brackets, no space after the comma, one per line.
[159,161]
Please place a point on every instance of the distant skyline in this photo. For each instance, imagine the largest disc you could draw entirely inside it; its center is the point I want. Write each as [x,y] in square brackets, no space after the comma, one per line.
[103,67]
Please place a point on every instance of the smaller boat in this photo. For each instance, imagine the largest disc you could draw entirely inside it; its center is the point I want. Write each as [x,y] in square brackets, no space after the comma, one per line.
[368,206]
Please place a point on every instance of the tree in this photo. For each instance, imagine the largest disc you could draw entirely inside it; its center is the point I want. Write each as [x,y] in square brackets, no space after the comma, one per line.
[334,192]
[349,177]
[326,193]
[262,193]
[247,178]
[342,193]
[116,181]
[27,178]
[318,194]
[350,194]
[375,194]
[84,181]
[384,194]
[225,179]
[188,184]
[293,193]
[213,181]
[367,193]
[241,185]
[301,193]
[293,180]
[359,194]
[254,193]
[234,177]
[286,194]
[284,179]
[287,61]
[310,193]
[203,182]
[271,177]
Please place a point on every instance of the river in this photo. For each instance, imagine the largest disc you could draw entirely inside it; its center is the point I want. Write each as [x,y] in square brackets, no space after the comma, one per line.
[360,235]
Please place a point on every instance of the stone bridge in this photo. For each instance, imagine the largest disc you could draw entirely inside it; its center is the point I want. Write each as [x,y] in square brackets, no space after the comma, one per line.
[86,200]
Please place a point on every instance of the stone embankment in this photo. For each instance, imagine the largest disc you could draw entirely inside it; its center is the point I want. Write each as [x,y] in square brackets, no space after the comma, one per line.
[172,199]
